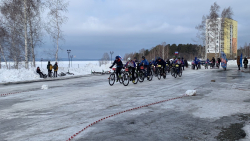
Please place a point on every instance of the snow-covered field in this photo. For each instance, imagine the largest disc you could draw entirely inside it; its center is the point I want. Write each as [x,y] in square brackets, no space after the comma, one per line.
[65,107]
[78,68]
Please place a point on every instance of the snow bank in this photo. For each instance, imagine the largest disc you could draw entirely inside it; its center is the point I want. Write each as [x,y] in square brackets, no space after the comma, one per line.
[45,87]
[78,68]
[191,92]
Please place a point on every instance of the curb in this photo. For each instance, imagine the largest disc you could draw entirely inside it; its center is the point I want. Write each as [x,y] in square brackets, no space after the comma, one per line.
[46,79]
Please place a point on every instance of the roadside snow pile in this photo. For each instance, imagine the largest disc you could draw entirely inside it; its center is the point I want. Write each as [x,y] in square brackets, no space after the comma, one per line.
[191,92]
[85,67]
[45,87]
[18,75]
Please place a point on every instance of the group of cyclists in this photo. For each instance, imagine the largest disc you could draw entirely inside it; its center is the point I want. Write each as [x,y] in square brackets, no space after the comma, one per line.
[196,63]
[144,68]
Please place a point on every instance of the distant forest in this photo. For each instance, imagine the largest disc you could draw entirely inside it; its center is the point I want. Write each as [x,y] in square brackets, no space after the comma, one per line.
[187,51]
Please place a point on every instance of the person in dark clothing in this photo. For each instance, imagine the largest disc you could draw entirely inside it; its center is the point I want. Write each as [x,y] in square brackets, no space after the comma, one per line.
[145,63]
[168,62]
[119,66]
[238,62]
[49,67]
[161,62]
[39,72]
[185,63]
[213,62]
[55,67]
[245,62]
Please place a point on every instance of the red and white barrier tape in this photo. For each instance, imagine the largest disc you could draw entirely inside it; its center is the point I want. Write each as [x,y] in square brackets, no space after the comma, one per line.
[121,113]
[12,93]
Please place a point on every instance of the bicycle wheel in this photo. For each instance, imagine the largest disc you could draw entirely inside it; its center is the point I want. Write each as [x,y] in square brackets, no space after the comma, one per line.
[172,71]
[111,79]
[180,73]
[175,74]
[136,78]
[159,74]
[126,79]
[121,78]
[150,76]
[164,75]
[141,77]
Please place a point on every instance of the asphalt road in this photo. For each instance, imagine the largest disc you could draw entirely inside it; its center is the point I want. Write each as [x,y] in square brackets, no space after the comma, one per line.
[70,105]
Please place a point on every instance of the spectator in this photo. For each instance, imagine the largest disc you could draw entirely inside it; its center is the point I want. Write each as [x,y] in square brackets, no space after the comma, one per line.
[238,62]
[49,67]
[55,67]
[39,72]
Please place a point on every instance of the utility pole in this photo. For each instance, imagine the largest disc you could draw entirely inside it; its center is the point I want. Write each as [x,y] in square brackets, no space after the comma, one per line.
[71,56]
[163,46]
[68,51]
[111,52]
[41,62]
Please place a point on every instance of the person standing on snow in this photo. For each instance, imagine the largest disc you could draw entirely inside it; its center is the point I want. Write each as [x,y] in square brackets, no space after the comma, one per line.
[238,62]
[245,62]
[55,67]
[49,67]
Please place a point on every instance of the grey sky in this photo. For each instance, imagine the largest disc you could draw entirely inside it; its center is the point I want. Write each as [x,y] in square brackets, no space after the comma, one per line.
[124,26]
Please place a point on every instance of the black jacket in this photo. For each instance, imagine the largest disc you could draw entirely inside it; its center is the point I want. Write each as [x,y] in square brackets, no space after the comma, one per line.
[118,63]
[245,61]
[161,62]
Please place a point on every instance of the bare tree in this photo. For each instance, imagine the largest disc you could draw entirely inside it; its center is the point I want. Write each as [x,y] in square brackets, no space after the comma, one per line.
[213,26]
[56,20]
[105,59]
[226,22]
[34,23]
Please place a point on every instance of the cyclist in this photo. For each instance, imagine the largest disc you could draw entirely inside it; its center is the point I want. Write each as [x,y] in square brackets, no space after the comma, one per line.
[131,65]
[161,62]
[179,62]
[119,66]
[145,63]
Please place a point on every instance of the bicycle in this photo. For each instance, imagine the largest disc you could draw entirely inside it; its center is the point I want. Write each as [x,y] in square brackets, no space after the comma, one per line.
[144,72]
[161,72]
[112,77]
[178,71]
[128,77]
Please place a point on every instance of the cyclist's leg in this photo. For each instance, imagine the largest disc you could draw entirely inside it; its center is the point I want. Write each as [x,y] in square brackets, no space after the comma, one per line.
[148,70]
[133,73]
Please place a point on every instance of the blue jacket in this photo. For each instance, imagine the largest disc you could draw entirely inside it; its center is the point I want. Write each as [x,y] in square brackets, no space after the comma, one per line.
[145,62]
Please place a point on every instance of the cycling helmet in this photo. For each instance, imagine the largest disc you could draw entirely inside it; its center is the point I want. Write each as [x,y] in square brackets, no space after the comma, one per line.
[129,59]
[143,57]
[158,58]
[152,59]
[117,57]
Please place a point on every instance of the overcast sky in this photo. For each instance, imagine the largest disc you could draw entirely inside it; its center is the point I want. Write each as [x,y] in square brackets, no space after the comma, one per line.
[123,26]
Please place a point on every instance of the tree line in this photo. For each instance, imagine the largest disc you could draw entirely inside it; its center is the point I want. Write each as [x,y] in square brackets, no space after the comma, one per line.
[22,28]
[167,51]
[245,51]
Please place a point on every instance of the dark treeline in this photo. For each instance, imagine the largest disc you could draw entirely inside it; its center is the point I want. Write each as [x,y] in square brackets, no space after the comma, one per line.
[187,51]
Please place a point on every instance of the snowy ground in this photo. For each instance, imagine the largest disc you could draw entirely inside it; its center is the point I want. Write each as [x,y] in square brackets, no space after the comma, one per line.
[78,68]
[67,106]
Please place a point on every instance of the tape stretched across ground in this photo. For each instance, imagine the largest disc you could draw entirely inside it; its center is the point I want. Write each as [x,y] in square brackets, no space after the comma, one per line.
[71,138]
